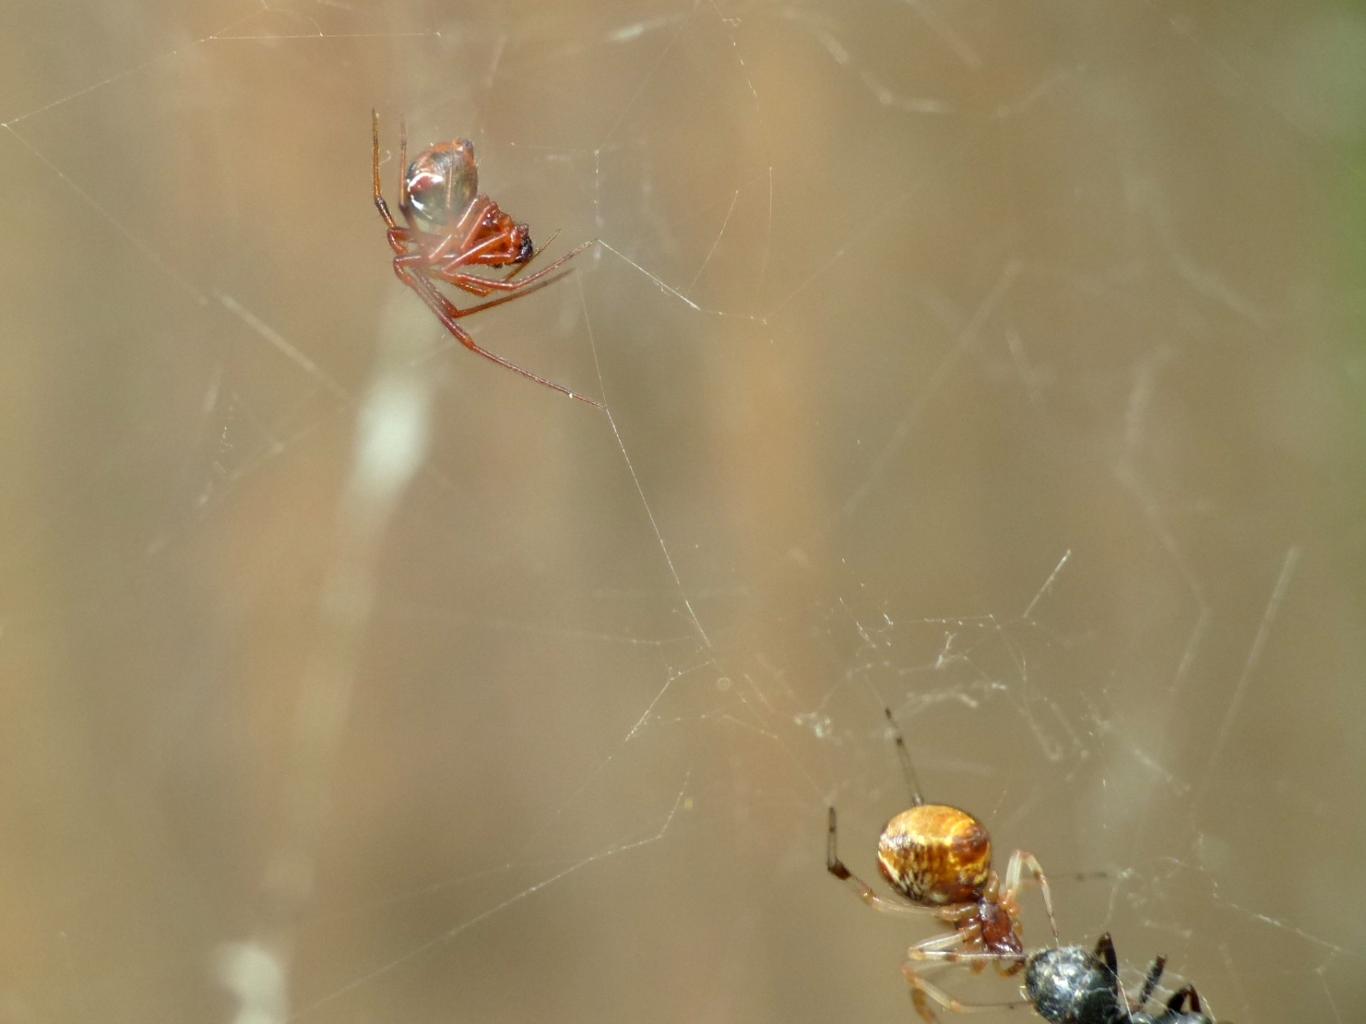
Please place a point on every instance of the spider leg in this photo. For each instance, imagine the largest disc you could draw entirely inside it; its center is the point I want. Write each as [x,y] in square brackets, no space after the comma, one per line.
[938,943]
[405,206]
[922,951]
[904,755]
[1019,860]
[402,241]
[380,204]
[448,313]
[464,311]
[471,283]
[1006,964]
[941,948]
[413,240]
[417,246]
[484,285]
[470,253]
[414,263]
[459,246]
[923,991]
[862,889]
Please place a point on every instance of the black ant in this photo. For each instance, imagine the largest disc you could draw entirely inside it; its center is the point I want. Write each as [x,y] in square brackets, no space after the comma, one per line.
[1073,985]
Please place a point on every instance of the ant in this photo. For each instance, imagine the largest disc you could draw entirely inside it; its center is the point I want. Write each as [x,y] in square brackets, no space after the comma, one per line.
[1072,985]
[441,189]
[939,858]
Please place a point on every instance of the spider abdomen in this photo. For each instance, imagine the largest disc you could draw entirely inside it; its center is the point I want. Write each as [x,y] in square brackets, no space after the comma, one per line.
[442,181]
[936,854]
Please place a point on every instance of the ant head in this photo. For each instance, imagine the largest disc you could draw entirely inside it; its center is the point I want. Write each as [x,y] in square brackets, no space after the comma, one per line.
[442,181]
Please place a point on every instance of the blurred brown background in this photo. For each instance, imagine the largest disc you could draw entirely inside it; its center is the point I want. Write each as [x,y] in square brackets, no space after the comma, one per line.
[998,363]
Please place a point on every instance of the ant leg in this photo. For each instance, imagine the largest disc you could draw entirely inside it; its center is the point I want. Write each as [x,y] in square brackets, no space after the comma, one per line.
[923,991]
[1021,859]
[447,312]
[862,889]
[1187,992]
[1150,982]
[1105,951]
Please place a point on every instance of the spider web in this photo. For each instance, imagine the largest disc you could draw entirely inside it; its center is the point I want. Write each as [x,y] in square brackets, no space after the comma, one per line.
[991,363]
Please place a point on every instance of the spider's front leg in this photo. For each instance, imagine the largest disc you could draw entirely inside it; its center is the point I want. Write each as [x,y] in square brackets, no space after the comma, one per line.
[1019,860]
[482,286]
[448,313]
[412,264]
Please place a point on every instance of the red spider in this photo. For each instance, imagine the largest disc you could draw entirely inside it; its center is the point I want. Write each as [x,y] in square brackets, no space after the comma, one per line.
[441,188]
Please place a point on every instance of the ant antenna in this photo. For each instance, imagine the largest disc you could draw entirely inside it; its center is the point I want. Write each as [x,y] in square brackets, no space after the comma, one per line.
[908,769]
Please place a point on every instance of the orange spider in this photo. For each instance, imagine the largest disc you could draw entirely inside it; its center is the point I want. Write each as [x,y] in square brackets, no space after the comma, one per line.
[939,858]
[462,228]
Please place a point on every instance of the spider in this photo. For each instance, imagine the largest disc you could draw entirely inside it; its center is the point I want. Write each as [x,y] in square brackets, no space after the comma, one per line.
[461,228]
[1072,985]
[939,858]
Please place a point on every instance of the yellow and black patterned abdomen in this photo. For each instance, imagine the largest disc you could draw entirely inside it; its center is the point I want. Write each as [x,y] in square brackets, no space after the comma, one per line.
[936,855]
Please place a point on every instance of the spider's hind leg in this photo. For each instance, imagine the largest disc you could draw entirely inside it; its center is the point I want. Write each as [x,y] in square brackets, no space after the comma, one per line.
[860,888]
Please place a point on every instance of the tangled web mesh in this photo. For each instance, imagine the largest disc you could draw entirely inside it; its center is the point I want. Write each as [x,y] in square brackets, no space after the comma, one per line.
[990,364]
